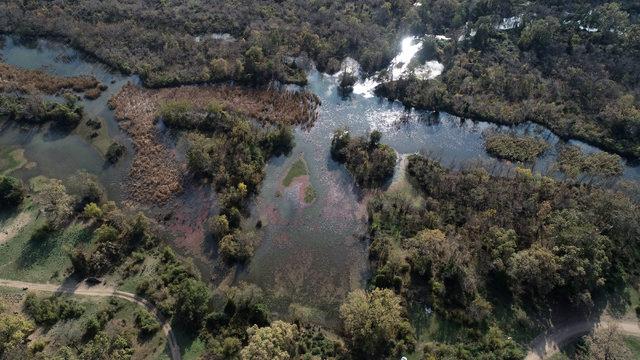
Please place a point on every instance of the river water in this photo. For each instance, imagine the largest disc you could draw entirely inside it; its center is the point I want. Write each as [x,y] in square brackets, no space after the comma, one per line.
[311,255]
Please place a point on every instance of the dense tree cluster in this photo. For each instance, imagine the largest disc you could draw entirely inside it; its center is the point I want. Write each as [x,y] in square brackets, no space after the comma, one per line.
[370,162]
[571,66]
[534,238]
[171,42]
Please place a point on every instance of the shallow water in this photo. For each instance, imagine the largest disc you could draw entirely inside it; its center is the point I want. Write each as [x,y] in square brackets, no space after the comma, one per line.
[57,154]
[311,254]
[314,254]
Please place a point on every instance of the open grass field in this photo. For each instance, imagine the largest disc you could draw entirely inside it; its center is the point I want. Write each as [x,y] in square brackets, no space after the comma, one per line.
[43,260]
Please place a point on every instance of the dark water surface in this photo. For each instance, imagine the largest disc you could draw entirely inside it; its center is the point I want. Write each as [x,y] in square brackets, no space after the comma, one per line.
[311,255]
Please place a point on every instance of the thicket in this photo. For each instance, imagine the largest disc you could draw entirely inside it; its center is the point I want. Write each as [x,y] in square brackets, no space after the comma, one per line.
[571,66]
[49,310]
[477,239]
[30,109]
[370,162]
[595,167]
[518,148]
[116,236]
[171,42]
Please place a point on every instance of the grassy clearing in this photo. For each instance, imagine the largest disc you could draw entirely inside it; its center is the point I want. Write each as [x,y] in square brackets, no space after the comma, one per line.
[299,168]
[132,272]
[40,261]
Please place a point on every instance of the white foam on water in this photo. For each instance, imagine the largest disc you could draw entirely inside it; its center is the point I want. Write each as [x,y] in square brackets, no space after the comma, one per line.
[430,70]
[366,87]
[408,49]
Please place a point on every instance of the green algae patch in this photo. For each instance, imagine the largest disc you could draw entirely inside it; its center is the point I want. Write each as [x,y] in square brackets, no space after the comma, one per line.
[11,159]
[299,168]
[309,194]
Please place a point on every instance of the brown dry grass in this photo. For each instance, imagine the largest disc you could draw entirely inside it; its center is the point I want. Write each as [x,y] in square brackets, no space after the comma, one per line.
[155,176]
[13,79]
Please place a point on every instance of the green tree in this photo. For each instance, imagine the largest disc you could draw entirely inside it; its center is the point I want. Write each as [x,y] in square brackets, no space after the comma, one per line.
[11,192]
[274,342]
[375,324]
[54,201]
[14,330]
[192,303]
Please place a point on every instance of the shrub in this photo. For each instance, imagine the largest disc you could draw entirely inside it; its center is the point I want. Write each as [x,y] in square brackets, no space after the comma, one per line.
[147,322]
[11,192]
[177,114]
[14,330]
[42,232]
[218,226]
[50,310]
[115,152]
[238,246]
[92,211]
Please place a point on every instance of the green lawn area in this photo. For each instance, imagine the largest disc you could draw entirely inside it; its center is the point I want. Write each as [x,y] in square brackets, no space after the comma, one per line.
[299,168]
[44,260]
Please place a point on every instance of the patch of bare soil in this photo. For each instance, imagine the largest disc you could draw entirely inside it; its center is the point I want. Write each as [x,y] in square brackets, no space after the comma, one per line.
[13,79]
[155,175]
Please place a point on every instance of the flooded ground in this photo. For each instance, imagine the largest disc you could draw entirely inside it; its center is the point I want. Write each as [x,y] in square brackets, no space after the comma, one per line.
[312,253]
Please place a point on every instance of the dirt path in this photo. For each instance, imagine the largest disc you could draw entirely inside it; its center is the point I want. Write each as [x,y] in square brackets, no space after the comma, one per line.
[551,341]
[103,291]
[14,226]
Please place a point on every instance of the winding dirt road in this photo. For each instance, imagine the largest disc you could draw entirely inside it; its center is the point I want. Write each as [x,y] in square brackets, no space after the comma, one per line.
[103,291]
[551,341]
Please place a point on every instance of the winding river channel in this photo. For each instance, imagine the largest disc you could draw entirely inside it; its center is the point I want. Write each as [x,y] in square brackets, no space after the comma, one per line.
[311,254]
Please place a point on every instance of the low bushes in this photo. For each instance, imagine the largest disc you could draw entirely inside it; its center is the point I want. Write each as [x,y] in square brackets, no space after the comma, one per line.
[519,148]
[115,152]
[50,310]
[11,192]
